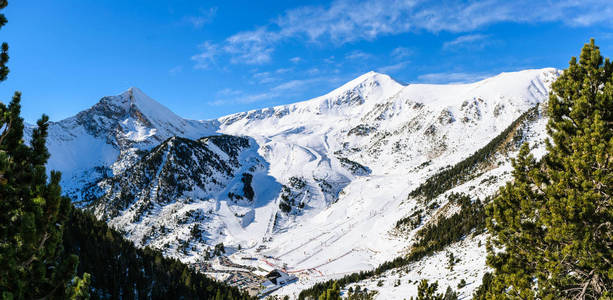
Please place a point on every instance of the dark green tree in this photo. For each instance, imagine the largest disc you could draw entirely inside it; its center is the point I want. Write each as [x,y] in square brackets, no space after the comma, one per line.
[32,211]
[333,293]
[426,291]
[513,225]
[32,214]
[555,221]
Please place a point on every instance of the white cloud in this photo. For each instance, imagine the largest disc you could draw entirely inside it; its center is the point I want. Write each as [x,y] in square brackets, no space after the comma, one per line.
[313,71]
[357,55]
[206,16]
[452,77]
[295,59]
[256,97]
[478,41]
[264,77]
[239,97]
[285,89]
[229,92]
[283,70]
[393,68]
[294,85]
[401,52]
[345,21]
[206,57]
[218,102]
[251,47]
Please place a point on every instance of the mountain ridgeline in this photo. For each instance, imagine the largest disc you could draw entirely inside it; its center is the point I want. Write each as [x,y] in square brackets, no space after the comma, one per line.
[300,186]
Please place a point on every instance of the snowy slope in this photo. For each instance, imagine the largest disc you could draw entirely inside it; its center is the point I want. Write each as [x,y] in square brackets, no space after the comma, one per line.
[394,137]
[341,165]
[470,252]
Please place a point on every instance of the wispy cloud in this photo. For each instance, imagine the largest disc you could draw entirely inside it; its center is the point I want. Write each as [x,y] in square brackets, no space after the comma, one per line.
[239,97]
[401,52]
[206,16]
[251,47]
[264,77]
[477,41]
[246,99]
[452,77]
[345,21]
[270,76]
[357,55]
[228,92]
[175,70]
[206,57]
[393,68]
[286,89]
[283,70]
[295,59]
[294,85]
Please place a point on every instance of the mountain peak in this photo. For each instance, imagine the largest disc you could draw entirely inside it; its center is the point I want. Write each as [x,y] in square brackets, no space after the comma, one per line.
[372,76]
[142,101]
[134,101]
[138,118]
[370,83]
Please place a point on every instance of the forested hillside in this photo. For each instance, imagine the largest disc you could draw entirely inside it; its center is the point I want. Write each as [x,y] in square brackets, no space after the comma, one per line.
[120,270]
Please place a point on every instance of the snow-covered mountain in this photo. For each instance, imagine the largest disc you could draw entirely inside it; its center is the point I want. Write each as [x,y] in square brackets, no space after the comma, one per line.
[319,185]
[102,140]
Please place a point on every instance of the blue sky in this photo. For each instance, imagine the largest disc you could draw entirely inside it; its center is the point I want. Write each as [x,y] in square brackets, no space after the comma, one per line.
[205,59]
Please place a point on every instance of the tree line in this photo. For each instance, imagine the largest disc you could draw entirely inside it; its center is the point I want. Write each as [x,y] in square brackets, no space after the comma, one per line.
[465,170]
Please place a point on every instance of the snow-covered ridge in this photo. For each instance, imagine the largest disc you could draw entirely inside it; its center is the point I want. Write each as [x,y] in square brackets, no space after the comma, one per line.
[330,174]
[98,141]
[351,98]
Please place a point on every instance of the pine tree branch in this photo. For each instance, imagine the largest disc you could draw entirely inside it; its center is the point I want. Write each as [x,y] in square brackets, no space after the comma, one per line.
[33,257]
[584,289]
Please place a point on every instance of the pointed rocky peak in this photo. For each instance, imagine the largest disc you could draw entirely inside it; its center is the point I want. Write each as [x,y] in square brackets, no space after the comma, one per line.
[134,116]
[148,107]
[131,103]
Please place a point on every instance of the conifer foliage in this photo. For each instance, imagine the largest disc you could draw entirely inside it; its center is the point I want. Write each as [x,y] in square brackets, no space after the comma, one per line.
[427,291]
[4,49]
[32,211]
[555,221]
[332,293]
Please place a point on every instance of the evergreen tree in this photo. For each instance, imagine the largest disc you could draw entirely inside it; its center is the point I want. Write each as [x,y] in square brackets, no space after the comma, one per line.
[32,211]
[513,225]
[555,221]
[333,293]
[427,291]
